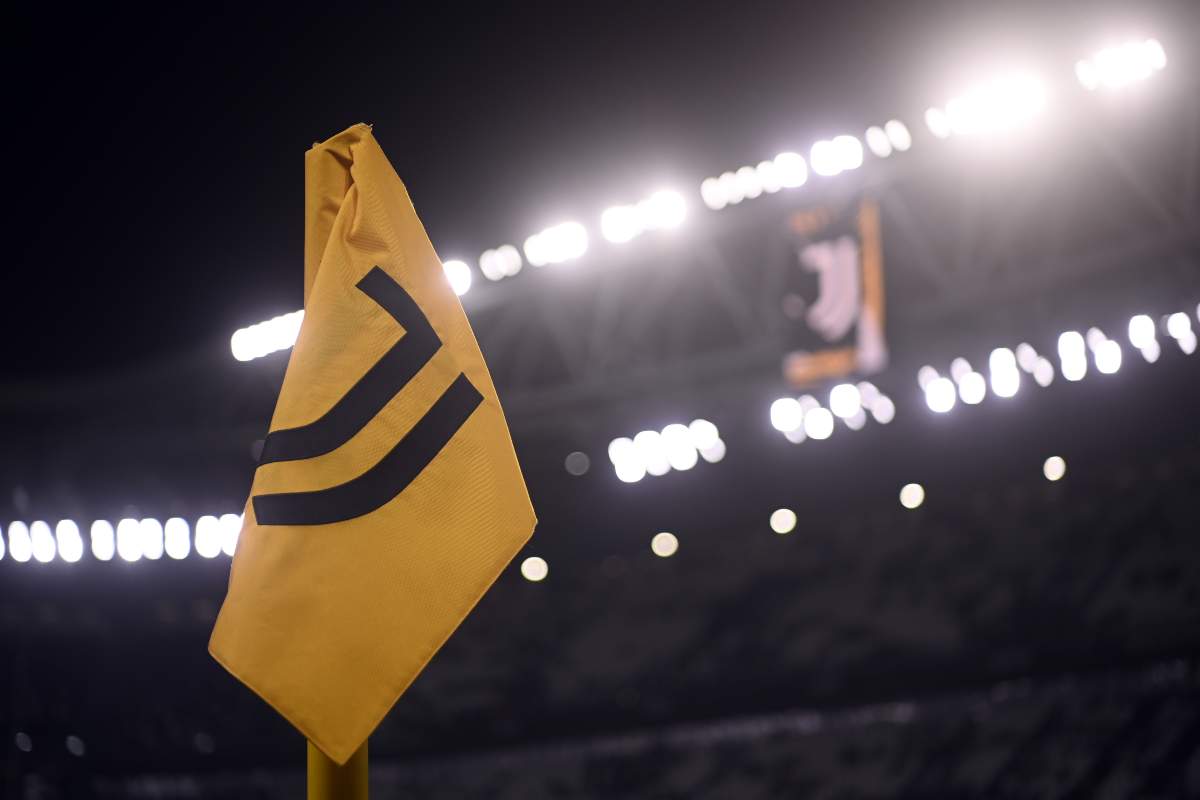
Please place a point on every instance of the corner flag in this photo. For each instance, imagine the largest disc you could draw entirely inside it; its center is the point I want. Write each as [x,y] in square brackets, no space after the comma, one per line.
[388,497]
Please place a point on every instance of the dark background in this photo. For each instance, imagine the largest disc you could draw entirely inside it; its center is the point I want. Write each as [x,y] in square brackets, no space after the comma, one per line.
[1012,637]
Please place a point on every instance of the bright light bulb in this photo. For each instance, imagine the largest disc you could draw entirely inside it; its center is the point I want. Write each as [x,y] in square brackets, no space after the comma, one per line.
[459,276]
[958,368]
[937,122]
[20,546]
[713,194]
[898,135]
[104,542]
[176,538]
[662,210]
[1054,468]
[792,170]
[940,395]
[769,176]
[1141,331]
[651,453]
[534,569]
[878,142]
[70,543]
[1179,325]
[783,520]
[1108,357]
[925,375]
[714,452]
[664,544]
[704,434]
[620,224]
[818,424]
[208,536]
[151,531]
[1043,372]
[912,495]
[786,414]
[883,410]
[231,529]
[748,183]
[129,540]
[845,400]
[42,540]
[972,388]
[825,158]
[677,443]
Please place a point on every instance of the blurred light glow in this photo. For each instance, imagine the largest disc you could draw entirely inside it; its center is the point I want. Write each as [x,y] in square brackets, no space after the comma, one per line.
[1026,356]
[2,548]
[1072,355]
[1043,372]
[958,368]
[748,183]
[845,400]
[714,452]
[558,243]
[792,170]
[664,544]
[713,194]
[1054,468]
[177,540]
[459,276]
[1179,325]
[70,543]
[1141,331]
[926,374]
[938,123]
[1188,343]
[972,388]
[264,338]
[857,420]
[104,542]
[677,442]
[786,414]
[208,536]
[20,546]
[535,569]
[703,433]
[830,157]
[129,540]
[1002,367]
[1151,351]
[231,528]
[651,452]
[1008,101]
[151,532]
[878,141]
[42,541]
[1108,357]
[818,424]
[912,495]
[883,410]
[898,135]
[660,211]
[783,520]
[769,177]
[940,395]
[502,262]
[1121,65]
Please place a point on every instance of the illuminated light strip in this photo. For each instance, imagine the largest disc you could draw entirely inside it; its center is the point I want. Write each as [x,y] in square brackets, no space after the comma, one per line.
[1007,102]
[1115,67]
[130,539]
[678,447]
[804,417]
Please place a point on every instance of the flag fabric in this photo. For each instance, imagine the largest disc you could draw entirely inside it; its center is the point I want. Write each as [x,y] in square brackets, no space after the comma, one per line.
[388,496]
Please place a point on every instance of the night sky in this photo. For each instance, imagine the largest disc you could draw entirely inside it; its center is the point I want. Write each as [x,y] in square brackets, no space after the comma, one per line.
[156,163]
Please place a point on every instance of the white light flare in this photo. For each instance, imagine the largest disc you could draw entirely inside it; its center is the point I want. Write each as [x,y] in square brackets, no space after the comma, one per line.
[565,241]
[70,543]
[458,274]
[264,338]
[1121,65]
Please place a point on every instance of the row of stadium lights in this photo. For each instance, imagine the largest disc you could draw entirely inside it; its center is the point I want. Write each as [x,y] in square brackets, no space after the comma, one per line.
[131,539]
[782,521]
[676,447]
[1004,105]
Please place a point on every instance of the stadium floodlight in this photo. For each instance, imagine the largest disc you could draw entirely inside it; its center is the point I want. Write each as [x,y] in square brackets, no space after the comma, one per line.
[940,395]
[845,401]
[972,388]
[1043,372]
[231,528]
[458,274]
[793,170]
[830,157]
[883,410]
[129,540]
[1054,468]
[748,182]
[856,421]
[1072,355]
[177,538]
[818,423]
[264,338]
[926,374]
[535,569]
[769,176]
[1179,325]
[104,542]
[898,134]
[786,414]
[783,520]
[565,241]
[20,546]
[42,542]
[664,544]
[912,495]
[878,141]
[1121,65]
[1188,343]
[677,447]
[500,263]
[1108,356]
[1026,357]
[958,368]
[1006,102]
[713,194]
[676,442]
[151,532]
[660,211]
[1151,351]
[1002,368]
[208,536]
[1141,331]
[70,543]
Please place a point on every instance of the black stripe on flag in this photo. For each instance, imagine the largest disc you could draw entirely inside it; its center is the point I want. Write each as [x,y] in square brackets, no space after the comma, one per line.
[386,479]
[374,389]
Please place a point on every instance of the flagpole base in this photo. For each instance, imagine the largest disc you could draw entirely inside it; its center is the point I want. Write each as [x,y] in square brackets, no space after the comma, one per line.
[329,781]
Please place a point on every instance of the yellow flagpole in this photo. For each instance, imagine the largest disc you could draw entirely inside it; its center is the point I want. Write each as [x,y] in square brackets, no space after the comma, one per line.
[329,781]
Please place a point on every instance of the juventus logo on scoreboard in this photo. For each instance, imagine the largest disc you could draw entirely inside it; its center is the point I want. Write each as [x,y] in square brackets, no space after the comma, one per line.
[358,406]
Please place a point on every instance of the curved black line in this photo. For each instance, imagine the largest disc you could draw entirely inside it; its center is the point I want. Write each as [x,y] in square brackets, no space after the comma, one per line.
[374,389]
[386,479]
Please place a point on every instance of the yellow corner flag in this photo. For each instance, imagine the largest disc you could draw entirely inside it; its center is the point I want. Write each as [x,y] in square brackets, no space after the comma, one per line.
[388,496]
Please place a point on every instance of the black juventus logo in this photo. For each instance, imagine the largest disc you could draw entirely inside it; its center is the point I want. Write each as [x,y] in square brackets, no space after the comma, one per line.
[404,462]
